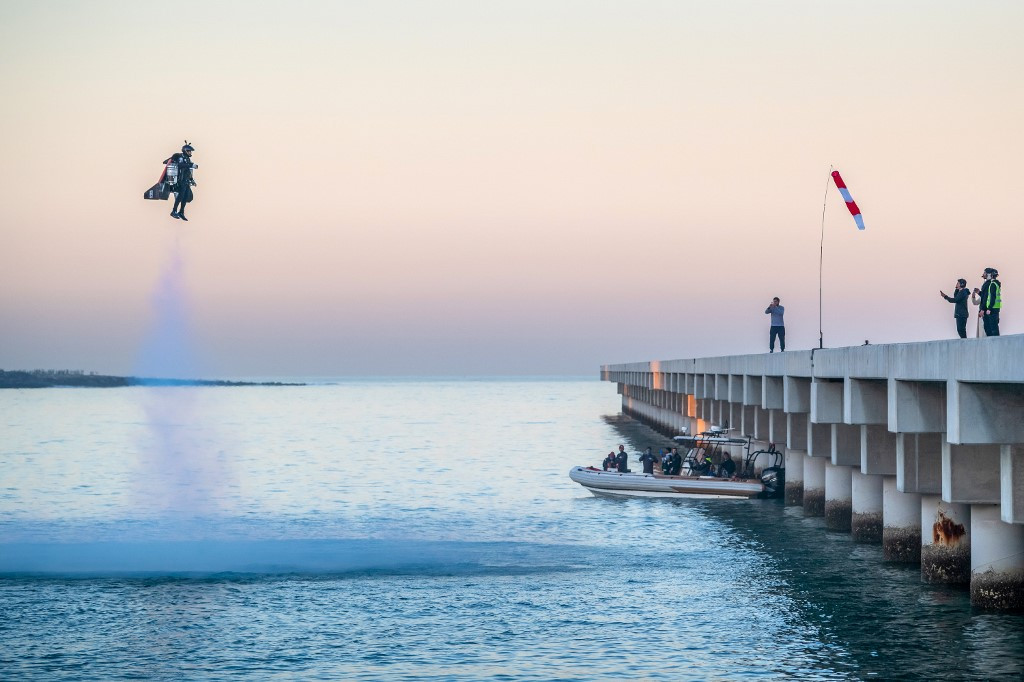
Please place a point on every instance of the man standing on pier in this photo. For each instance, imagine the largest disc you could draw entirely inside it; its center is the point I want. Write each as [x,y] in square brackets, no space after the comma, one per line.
[991,301]
[778,325]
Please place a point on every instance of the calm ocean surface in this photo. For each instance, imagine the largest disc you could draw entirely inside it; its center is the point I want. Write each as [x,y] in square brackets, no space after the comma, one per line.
[422,529]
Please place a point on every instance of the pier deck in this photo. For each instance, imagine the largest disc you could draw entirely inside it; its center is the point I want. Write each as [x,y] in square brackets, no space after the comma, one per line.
[918,446]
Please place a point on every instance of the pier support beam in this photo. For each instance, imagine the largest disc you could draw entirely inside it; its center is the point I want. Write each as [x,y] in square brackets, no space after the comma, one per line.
[772,393]
[814,486]
[877,450]
[827,401]
[796,430]
[866,520]
[919,462]
[945,542]
[985,412]
[795,477]
[1012,483]
[901,524]
[846,445]
[796,394]
[819,440]
[970,473]
[761,424]
[997,560]
[838,497]
[748,420]
[865,401]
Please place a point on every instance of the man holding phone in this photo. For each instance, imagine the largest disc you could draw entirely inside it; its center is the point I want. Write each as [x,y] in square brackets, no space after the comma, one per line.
[778,325]
[959,299]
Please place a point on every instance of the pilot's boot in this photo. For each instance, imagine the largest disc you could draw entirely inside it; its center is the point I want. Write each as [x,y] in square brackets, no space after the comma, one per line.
[181,214]
[174,214]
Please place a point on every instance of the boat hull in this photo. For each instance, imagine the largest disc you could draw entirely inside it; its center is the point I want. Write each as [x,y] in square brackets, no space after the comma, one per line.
[615,484]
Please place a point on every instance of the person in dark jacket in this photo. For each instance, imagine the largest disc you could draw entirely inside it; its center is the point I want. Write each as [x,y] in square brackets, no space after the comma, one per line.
[622,460]
[609,462]
[647,459]
[675,462]
[991,294]
[959,299]
[183,187]
[727,469]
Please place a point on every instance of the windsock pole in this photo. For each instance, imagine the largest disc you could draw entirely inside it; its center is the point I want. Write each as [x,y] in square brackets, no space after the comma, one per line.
[821,256]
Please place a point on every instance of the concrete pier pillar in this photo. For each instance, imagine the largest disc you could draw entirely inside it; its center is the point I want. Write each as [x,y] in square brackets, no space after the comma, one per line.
[838,497]
[796,431]
[945,542]
[814,486]
[997,560]
[901,524]
[795,477]
[846,445]
[1012,483]
[866,519]
[877,450]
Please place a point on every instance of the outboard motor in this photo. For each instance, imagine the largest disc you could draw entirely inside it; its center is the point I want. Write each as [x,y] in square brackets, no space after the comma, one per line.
[774,481]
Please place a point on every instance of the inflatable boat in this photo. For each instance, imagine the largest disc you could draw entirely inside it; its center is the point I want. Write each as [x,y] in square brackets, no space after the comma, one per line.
[761,472]
[615,484]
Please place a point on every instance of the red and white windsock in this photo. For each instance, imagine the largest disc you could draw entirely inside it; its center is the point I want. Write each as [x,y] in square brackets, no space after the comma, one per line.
[850,203]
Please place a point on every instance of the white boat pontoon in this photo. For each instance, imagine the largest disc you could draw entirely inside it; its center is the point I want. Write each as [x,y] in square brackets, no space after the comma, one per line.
[762,473]
[615,484]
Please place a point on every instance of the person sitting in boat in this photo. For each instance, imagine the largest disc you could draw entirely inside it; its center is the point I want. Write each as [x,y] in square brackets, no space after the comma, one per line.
[666,461]
[727,469]
[702,464]
[609,462]
[647,459]
[622,460]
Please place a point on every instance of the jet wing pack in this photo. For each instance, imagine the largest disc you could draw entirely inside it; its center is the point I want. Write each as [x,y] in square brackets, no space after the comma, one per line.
[167,182]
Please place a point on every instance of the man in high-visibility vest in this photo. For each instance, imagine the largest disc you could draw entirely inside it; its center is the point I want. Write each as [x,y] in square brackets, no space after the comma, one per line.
[991,294]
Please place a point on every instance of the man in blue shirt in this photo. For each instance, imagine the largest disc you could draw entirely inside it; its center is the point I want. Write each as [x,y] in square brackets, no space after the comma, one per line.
[778,326]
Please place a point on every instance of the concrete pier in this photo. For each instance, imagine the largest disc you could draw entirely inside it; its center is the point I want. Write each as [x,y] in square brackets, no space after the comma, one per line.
[884,441]
[838,497]
[795,477]
[945,541]
[866,519]
[814,486]
[901,519]
[997,560]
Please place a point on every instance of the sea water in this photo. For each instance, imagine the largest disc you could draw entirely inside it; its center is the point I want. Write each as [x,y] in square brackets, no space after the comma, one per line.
[423,529]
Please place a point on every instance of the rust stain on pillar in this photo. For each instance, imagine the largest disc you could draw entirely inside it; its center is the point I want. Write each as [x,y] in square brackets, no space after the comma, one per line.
[945,531]
[948,558]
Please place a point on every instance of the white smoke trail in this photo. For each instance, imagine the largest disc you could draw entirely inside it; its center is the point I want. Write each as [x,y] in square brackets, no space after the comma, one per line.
[168,351]
[182,470]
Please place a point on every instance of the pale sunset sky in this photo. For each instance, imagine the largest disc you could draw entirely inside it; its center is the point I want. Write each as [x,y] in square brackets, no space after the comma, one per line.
[474,187]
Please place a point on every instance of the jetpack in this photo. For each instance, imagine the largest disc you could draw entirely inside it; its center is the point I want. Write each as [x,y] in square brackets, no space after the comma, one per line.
[176,175]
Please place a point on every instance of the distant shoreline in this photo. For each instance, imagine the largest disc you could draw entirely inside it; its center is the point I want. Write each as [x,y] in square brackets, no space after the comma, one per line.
[60,379]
